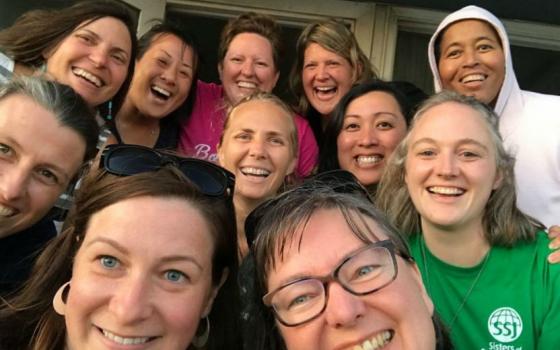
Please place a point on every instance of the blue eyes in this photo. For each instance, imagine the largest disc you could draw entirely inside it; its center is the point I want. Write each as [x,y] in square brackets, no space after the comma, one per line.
[109,262]
[174,276]
[365,270]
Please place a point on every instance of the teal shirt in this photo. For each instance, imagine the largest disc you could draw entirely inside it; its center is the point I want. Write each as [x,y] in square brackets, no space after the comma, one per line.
[514,305]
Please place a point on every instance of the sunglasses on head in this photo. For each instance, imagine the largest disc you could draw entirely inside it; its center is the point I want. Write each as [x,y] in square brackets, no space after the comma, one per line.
[127,160]
[340,181]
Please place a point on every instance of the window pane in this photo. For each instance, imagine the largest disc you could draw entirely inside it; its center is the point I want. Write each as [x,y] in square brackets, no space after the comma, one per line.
[536,69]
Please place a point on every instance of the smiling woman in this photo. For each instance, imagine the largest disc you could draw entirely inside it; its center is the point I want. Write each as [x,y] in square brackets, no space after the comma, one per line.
[328,62]
[364,130]
[470,54]
[450,186]
[259,146]
[362,291]
[161,93]
[88,46]
[46,133]
[248,56]
[98,286]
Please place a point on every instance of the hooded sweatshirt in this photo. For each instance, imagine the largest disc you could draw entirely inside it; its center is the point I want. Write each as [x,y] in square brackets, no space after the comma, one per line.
[529,123]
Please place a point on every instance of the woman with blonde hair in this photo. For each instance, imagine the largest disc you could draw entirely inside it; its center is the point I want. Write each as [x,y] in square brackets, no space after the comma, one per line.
[259,145]
[482,259]
[328,62]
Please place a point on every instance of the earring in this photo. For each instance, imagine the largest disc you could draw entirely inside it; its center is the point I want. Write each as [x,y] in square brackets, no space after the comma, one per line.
[110,110]
[200,340]
[43,67]
[59,300]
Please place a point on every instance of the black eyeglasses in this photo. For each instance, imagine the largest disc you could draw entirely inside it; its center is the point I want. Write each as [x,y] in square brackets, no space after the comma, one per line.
[363,272]
[127,160]
[340,181]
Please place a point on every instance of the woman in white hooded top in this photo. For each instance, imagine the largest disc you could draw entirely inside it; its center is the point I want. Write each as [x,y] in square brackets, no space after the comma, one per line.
[469,53]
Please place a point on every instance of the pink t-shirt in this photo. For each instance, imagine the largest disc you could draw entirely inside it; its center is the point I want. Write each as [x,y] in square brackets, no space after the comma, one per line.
[200,134]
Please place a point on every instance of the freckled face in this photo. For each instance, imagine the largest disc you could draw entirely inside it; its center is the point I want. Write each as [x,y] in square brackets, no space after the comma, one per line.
[152,291]
[472,60]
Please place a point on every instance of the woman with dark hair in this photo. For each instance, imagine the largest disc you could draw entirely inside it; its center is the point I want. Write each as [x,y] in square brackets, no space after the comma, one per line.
[46,133]
[147,257]
[470,53]
[161,92]
[89,46]
[331,273]
[328,62]
[365,128]
[450,186]
[249,56]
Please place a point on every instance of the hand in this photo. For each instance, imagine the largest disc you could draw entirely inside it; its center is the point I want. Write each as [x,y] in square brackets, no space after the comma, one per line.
[554,235]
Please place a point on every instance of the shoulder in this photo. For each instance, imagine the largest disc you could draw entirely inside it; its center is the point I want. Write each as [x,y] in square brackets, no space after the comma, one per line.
[542,102]
[208,90]
[534,254]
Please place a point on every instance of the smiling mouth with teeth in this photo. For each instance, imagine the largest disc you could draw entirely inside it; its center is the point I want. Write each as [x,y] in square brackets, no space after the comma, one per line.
[255,172]
[325,90]
[87,76]
[160,92]
[7,211]
[376,342]
[446,191]
[246,85]
[473,78]
[125,340]
[369,160]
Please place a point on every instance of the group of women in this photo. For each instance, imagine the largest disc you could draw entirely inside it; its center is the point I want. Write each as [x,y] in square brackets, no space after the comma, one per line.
[148,256]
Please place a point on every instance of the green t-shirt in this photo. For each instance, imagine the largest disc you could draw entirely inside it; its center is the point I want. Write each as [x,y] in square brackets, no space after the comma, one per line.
[514,305]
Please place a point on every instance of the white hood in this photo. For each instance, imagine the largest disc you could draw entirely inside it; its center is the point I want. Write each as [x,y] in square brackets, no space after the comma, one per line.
[474,12]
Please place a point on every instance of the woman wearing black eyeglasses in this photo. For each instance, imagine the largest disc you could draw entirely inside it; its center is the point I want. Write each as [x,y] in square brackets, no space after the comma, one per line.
[147,259]
[331,273]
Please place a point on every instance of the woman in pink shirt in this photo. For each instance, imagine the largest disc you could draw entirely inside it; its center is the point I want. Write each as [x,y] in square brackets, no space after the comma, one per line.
[248,62]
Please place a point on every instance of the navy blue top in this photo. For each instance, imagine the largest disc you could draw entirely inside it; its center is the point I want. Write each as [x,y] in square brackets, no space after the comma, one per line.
[18,253]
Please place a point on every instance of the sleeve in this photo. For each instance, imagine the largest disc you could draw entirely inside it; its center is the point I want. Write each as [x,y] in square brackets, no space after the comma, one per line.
[308,149]
[549,337]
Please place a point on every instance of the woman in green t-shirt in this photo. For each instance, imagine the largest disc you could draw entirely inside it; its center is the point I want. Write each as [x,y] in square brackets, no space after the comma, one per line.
[450,185]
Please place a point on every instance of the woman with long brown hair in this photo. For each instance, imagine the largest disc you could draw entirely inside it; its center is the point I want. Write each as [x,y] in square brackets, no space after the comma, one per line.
[89,46]
[148,256]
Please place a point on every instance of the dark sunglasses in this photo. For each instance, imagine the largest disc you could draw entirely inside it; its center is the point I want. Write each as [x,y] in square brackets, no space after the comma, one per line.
[127,160]
[341,181]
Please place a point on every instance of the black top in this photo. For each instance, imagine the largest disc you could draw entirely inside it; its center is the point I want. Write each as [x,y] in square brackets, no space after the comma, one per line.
[18,253]
[168,134]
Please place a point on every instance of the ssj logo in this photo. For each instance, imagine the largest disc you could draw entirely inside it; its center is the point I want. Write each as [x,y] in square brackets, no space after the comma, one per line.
[505,324]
